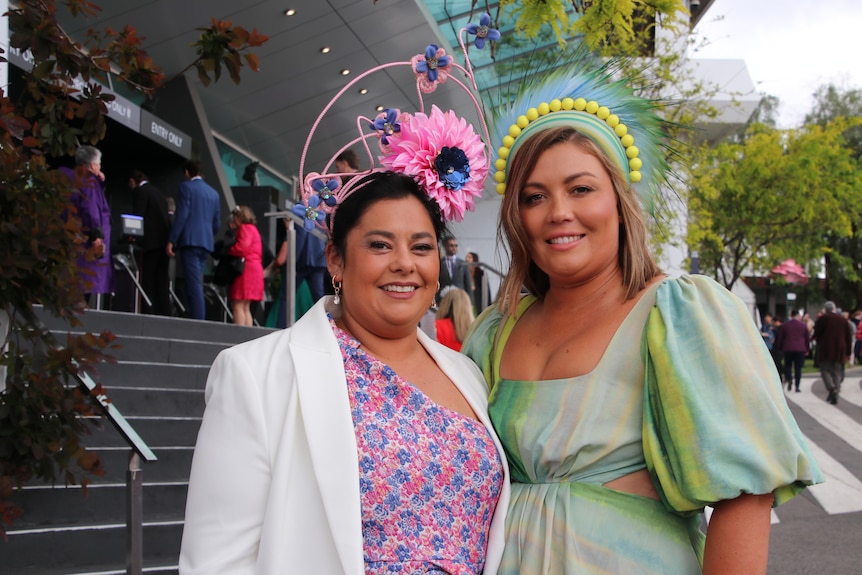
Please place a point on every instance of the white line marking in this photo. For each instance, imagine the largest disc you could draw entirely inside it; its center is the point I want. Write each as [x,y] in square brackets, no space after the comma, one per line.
[842,491]
[851,392]
[827,415]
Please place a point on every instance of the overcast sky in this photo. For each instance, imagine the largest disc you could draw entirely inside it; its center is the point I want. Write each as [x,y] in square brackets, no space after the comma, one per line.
[790,46]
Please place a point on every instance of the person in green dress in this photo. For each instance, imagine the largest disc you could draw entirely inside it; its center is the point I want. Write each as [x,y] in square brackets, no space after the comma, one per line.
[626,401]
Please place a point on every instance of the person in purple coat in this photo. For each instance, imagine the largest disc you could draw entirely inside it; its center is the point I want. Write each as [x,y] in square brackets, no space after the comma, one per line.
[92,209]
[793,340]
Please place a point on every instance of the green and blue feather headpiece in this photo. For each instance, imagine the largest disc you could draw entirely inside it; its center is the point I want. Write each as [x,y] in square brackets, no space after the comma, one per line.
[586,95]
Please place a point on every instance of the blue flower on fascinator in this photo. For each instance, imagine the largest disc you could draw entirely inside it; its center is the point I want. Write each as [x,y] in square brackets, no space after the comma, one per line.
[310,213]
[435,64]
[386,124]
[483,31]
[325,190]
[453,167]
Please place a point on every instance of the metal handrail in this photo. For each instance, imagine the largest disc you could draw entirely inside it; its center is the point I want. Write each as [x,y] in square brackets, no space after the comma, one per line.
[289,286]
[140,451]
[483,265]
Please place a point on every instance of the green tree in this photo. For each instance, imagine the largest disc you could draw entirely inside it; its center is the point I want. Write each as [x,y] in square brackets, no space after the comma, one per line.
[41,408]
[765,113]
[771,196]
[843,254]
[832,102]
[612,27]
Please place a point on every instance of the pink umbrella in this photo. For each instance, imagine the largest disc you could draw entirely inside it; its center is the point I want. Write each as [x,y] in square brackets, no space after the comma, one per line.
[791,271]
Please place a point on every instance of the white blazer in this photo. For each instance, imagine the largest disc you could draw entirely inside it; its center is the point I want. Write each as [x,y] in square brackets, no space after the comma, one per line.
[274,485]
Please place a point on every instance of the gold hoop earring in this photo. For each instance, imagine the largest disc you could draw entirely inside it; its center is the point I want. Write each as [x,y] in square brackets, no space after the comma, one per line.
[336,286]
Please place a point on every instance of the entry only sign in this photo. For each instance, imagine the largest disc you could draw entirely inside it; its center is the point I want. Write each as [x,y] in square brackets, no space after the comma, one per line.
[127,113]
[160,131]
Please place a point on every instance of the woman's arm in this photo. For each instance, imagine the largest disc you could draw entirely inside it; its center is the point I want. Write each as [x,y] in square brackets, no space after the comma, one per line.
[737,539]
[281,258]
[230,476]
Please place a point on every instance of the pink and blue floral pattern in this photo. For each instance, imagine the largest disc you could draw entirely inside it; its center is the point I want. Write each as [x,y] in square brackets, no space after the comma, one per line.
[429,476]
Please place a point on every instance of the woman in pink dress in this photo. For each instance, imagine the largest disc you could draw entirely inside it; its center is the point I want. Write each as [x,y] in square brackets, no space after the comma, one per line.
[248,286]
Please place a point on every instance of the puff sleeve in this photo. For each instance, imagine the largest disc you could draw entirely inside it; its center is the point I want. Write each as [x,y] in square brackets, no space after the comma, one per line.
[716,423]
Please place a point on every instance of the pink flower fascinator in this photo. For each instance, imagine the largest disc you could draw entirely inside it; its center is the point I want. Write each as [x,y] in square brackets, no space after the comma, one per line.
[443,151]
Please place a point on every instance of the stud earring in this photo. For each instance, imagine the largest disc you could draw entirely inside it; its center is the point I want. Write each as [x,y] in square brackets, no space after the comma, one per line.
[336,286]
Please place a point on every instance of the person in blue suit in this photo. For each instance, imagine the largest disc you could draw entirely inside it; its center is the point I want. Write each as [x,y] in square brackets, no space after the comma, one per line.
[196,222]
[310,262]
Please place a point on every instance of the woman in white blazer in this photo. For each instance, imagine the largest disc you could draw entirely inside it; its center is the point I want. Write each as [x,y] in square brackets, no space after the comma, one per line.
[275,482]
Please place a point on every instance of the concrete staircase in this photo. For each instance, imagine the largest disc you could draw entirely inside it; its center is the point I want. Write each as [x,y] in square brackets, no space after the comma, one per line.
[158,385]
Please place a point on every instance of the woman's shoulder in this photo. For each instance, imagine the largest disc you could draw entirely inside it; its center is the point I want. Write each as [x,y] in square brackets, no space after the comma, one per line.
[488,328]
[486,322]
[254,352]
[692,281]
[691,305]
[248,228]
[309,331]
[696,290]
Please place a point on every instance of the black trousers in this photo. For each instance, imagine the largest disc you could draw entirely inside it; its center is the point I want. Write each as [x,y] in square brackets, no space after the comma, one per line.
[155,280]
[793,362]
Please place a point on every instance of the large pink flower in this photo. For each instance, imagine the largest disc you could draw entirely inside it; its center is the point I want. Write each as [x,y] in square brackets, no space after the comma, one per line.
[416,148]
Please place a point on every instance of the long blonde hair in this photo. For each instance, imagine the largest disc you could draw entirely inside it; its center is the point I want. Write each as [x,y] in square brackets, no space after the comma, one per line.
[635,259]
[456,304]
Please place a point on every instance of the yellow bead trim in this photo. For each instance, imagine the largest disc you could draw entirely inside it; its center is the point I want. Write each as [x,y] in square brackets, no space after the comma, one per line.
[555,105]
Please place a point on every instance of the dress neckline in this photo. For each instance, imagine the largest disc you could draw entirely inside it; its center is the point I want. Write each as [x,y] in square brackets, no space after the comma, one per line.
[528,301]
[342,336]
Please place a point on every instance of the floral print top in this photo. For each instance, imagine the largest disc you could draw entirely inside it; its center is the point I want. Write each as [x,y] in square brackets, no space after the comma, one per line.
[429,476]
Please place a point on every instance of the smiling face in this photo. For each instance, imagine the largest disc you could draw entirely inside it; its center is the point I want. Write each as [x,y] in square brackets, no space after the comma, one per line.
[568,210]
[388,269]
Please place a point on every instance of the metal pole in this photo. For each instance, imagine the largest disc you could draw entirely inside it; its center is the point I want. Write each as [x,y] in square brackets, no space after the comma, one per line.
[134,516]
[290,273]
[121,258]
[289,264]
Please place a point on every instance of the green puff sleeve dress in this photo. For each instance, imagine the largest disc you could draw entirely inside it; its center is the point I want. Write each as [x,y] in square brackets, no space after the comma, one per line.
[686,389]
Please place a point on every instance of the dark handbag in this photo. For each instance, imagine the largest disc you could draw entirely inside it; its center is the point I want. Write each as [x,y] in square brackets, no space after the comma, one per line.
[228,269]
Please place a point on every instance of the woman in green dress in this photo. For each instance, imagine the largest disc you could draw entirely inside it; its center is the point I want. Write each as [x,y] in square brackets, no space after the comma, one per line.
[626,401]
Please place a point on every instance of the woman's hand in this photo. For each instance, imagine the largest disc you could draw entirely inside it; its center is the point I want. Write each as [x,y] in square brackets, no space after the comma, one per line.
[98,247]
[737,539]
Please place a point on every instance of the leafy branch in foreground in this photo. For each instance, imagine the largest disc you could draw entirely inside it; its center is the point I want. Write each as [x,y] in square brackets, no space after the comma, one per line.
[61,105]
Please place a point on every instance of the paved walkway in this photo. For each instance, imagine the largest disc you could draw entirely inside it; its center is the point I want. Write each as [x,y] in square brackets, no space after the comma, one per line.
[820,531]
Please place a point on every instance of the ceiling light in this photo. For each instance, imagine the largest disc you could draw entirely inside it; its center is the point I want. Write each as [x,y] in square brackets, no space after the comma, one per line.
[379,108]
[363,91]
[289,12]
[345,72]
[325,50]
